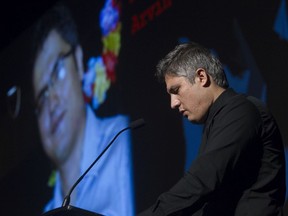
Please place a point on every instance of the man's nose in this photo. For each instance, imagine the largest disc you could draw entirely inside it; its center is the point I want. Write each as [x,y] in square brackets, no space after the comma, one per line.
[175,103]
[53,98]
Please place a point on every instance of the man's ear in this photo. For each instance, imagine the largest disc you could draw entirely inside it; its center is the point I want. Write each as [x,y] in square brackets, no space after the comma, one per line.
[79,61]
[202,77]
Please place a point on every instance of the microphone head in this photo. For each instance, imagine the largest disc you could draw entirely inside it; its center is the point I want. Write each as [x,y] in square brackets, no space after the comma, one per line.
[137,123]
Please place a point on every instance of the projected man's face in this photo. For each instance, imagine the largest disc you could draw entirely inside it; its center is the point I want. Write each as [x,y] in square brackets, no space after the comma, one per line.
[60,105]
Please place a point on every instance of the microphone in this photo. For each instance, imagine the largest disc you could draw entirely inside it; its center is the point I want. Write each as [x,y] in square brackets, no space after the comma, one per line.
[133,125]
[137,124]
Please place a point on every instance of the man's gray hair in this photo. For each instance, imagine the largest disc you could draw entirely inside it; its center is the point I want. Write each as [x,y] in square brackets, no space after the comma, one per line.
[186,58]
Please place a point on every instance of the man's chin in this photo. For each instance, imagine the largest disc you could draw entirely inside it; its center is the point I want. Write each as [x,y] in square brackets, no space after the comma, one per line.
[194,121]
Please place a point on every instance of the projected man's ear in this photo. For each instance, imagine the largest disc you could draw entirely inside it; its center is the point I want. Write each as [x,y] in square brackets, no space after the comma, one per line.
[13,100]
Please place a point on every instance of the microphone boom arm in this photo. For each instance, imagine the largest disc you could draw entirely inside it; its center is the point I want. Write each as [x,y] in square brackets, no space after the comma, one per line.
[66,201]
[133,125]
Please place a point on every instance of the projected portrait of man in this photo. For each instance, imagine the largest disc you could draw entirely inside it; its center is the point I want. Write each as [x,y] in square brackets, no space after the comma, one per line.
[72,135]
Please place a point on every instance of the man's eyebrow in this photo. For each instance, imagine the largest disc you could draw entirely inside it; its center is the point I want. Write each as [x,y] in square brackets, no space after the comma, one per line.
[173,89]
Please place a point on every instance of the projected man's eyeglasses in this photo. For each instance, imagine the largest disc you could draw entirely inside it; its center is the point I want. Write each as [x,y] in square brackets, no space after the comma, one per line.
[57,76]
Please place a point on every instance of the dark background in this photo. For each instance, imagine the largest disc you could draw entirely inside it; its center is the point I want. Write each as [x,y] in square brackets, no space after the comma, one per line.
[159,147]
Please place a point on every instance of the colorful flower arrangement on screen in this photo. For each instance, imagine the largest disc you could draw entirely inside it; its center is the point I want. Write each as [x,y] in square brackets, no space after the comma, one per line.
[100,72]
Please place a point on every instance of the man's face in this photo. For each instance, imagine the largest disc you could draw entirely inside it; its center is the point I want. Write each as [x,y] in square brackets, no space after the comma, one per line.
[58,96]
[191,100]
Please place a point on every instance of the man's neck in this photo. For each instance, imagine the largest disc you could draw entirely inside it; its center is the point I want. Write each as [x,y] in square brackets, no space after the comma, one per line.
[70,171]
[217,91]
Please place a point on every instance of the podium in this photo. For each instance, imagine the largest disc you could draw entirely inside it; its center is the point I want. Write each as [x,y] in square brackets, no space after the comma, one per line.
[70,211]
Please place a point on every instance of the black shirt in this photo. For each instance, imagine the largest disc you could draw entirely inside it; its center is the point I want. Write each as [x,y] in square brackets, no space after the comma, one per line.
[240,169]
